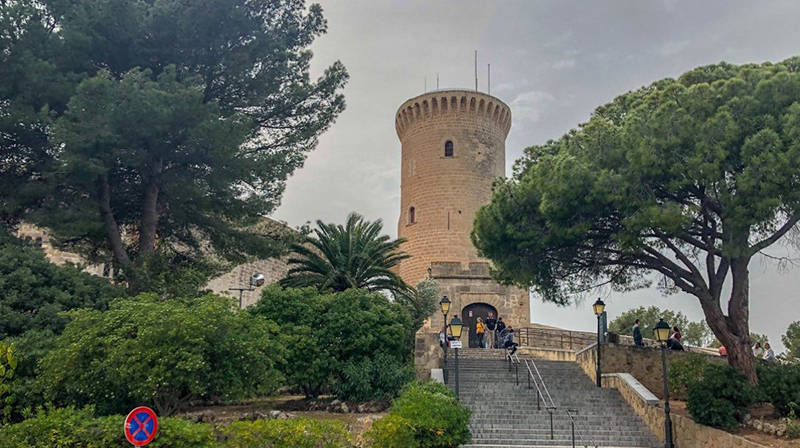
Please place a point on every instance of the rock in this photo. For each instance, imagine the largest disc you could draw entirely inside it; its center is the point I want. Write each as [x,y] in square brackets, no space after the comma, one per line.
[335,402]
[275,414]
[345,409]
[362,408]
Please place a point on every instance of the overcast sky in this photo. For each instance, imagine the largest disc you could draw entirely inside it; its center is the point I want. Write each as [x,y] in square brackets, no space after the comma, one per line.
[553,62]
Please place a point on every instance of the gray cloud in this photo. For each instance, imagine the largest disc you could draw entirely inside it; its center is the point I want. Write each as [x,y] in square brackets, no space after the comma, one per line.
[390,46]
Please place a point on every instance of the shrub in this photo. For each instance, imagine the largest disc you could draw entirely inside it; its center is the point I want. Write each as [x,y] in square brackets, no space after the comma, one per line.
[792,424]
[31,347]
[8,365]
[381,377]
[684,371]
[392,431]
[780,385]
[293,433]
[71,427]
[161,352]
[353,342]
[720,398]
[434,414]
[33,291]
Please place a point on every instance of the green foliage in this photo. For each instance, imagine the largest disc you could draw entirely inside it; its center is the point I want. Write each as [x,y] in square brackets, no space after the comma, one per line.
[354,255]
[70,427]
[648,317]
[793,424]
[380,377]
[33,291]
[431,412]
[191,135]
[686,178]
[391,431]
[422,302]
[697,334]
[685,371]
[8,367]
[791,340]
[329,335]
[161,352]
[720,398]
[293,433]
[780,385]
[759,338]
[31,347]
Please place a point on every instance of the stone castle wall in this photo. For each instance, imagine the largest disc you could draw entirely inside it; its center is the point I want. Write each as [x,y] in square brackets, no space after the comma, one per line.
[445,192]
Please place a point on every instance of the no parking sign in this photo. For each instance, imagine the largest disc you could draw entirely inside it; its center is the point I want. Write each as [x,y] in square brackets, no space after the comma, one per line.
[141,426]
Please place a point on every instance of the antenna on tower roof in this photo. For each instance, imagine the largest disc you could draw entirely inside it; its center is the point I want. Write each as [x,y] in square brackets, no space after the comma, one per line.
[489,80]
[476,70]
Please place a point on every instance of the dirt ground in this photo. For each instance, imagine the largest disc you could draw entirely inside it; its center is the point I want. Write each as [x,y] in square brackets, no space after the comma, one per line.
[358,423]
[764,413]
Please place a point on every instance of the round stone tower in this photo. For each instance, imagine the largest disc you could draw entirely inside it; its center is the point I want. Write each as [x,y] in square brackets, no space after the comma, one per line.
[453,147]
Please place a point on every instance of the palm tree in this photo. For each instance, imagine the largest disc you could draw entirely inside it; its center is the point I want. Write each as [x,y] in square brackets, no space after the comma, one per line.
[355,255]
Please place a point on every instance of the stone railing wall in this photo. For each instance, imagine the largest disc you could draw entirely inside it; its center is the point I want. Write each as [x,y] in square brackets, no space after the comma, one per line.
[685,432]
[644,363]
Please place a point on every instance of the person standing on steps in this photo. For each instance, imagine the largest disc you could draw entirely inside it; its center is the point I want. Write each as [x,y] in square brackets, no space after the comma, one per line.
[491,326]
[637,334]
[480,333]
[500,330]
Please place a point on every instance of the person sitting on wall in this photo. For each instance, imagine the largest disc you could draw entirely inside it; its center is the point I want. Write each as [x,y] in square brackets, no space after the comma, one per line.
[508,342]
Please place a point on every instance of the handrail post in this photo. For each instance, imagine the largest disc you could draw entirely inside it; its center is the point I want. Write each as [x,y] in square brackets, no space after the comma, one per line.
[551,423]
[538,401]
[573,433]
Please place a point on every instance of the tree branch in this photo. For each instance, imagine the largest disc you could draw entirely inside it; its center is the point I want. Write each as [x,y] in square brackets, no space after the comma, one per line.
[775,236]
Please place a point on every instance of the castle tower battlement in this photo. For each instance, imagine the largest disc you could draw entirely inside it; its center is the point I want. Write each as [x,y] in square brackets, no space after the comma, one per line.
[453,147]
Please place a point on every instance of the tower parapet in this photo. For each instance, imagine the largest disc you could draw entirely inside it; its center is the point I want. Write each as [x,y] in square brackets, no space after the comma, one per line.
[443,102]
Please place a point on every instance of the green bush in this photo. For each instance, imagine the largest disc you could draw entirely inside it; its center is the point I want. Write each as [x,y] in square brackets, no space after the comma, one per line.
[31,347]
[433,413]
[721,397]
[8,366]
[381,377]
[780,385]
[392,431]
[353,342]
[683,372]
[144,350]
[70,427]
[34,291]
[293,433]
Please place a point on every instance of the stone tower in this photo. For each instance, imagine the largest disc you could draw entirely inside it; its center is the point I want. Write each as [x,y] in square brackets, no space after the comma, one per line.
[453,147]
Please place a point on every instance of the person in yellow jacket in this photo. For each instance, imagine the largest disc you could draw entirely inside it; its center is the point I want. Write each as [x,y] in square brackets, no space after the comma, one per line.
[480,333]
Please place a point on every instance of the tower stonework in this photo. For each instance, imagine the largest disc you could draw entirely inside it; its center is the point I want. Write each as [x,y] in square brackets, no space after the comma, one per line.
[453,148]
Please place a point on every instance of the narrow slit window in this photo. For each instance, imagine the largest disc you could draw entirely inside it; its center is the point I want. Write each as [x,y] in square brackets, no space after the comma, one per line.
[412,215]
[448,149]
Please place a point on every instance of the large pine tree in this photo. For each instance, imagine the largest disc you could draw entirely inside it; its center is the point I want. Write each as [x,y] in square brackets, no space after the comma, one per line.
[134,127]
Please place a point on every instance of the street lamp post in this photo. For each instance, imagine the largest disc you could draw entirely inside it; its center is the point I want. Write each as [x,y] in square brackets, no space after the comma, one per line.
[256,280]
[445,304]
[455,329]
[661,331]
[599,306]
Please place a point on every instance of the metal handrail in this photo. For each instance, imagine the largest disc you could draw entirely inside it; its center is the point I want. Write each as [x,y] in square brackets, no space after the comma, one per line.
[553,406]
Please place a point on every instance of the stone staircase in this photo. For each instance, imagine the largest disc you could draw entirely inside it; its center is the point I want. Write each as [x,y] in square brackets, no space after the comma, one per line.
[507,415]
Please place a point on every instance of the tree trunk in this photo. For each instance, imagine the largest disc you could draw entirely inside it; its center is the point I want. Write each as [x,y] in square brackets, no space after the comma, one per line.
[733,330]
[114,235]
[149,224]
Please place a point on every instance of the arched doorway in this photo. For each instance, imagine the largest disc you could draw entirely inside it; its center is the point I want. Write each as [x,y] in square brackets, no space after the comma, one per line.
[470,315]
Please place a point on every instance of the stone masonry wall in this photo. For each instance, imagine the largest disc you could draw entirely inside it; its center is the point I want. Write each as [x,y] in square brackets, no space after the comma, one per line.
[685,432]
[644,363]
[465,287]
[273,270]
[445,192]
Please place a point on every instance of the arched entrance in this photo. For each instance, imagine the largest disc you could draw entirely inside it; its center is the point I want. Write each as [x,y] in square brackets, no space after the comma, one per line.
[470,315]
